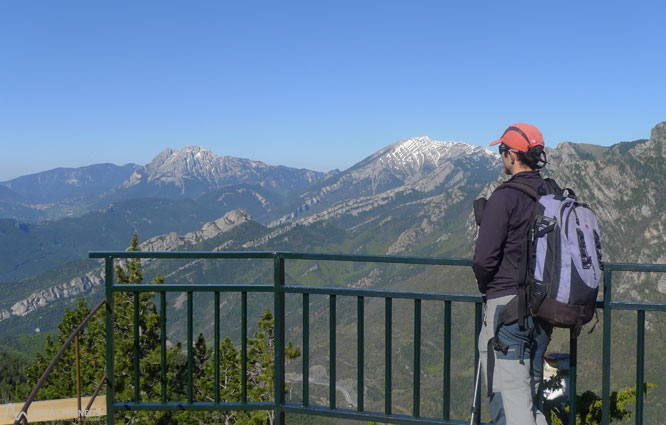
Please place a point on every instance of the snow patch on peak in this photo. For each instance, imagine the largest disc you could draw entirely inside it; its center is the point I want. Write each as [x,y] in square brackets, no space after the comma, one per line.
[419,151]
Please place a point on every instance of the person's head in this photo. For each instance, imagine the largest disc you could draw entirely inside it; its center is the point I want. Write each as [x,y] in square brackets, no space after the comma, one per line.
[521,148]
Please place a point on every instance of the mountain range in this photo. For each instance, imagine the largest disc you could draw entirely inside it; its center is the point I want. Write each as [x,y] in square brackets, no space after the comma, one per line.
[413,197]
[172,174]
[418,189]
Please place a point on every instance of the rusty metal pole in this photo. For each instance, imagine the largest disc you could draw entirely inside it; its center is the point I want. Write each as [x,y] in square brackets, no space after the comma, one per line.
[78,381]
[55,359]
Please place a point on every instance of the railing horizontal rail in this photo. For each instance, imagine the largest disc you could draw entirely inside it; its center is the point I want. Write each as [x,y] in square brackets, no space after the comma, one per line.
[367,415]
[378,293]
[638,305]
[635,267]
[183,254]
[441,261]
[170,287]
[200,406]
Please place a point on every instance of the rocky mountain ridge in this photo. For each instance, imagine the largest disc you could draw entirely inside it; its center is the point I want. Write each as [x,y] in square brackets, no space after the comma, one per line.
[172,174]
[195,170]
[62,184]
[94,278]
[420,164]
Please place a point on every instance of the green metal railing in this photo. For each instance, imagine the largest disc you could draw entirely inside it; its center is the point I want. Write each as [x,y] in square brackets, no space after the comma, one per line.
[279,289]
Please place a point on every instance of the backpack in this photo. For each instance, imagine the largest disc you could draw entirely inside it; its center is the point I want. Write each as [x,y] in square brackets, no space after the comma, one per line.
[561,264]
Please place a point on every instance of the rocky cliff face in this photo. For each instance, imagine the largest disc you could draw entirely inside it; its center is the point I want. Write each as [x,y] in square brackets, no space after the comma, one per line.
[85,283]
[625,186]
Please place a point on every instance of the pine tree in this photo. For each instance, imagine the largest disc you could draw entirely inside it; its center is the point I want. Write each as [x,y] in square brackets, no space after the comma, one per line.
[149,345]
[260,376]
[61,383]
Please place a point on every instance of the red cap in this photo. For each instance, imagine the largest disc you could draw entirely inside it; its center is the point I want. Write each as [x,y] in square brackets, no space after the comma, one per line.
[521,137]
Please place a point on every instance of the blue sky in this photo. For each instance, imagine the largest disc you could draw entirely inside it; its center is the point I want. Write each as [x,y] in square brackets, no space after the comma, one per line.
[318,84]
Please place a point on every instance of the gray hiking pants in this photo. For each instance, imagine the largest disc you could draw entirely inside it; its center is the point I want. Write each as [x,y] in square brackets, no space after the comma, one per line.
[517,375]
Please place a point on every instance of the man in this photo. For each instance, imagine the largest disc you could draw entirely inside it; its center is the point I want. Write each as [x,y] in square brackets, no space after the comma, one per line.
[514,373]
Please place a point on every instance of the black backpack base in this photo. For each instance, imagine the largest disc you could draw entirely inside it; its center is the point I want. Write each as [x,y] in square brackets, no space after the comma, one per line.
[551,311]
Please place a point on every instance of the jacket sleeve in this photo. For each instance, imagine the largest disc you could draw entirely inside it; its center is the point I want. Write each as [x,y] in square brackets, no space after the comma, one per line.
[488,253]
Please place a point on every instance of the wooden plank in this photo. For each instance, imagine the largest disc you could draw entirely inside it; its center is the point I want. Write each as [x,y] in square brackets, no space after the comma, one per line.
[52,410]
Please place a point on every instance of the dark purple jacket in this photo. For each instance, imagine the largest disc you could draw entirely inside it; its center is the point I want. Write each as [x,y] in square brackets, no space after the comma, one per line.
[504,226]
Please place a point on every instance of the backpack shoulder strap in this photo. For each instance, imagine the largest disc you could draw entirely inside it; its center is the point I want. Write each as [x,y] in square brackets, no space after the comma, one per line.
[521,271]
[555,189]
[525,188]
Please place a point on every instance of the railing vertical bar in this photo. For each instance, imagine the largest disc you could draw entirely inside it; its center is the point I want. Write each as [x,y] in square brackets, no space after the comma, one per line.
[78,381]
[190,343]
[332,345]
[388,327]
[278,305]
[640,365]
[306,350]
[360,345]
[573,372]
[216,341]
[163,347]
[478,317]
[244,347]
[136,349]
[108,282]
[446,408]
[605,377]
[417,358]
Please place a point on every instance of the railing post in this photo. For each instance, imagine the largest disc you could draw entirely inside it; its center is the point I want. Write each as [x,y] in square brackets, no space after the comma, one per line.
[216,350]
[388,330]
[190,343]
[278,308]
[163,347]
[446,406]
[110,378]
[332,352]
[137,369]
[417,359]
[606,369]
[360,341]
[78,380]
[640,365]
[306,350]
[244,347]
[573,364]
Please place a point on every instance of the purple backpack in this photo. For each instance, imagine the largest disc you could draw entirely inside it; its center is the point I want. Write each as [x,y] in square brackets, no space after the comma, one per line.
[561,264]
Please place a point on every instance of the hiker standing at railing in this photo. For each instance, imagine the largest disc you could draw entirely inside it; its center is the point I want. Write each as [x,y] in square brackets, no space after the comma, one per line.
[513,362]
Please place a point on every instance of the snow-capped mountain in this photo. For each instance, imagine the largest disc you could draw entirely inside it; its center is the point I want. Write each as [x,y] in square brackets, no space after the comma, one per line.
[418,164]
[195,170]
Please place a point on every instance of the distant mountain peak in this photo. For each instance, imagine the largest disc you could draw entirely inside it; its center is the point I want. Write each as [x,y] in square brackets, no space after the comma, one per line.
[194,170]
[417,163]
[423,149]
[412,159]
